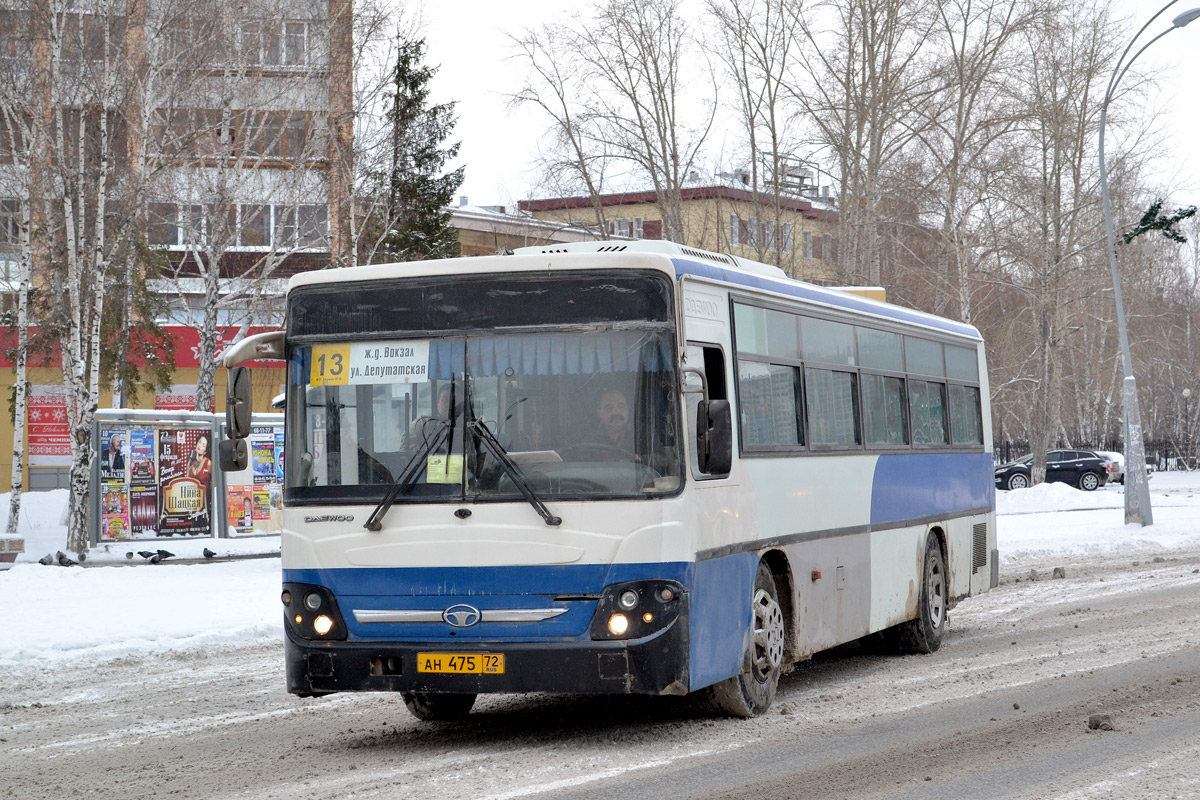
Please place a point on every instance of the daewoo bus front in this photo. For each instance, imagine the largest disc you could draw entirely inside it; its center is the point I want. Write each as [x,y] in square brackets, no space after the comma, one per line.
[477,475]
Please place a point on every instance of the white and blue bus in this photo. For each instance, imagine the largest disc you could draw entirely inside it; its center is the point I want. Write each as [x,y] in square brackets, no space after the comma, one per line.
[614,468]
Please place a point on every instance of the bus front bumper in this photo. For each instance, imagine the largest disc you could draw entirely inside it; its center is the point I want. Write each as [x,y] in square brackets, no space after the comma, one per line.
[655,664]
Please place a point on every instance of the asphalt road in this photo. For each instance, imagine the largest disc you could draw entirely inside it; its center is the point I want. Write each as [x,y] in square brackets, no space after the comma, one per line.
[1001,711]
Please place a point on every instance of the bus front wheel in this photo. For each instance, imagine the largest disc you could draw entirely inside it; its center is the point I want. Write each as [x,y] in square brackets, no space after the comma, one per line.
[751,693]
[438,706]
[924,634]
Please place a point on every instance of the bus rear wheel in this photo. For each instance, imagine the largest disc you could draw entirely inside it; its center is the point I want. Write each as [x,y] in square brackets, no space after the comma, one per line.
[439,706]
[924,634]
[751,693]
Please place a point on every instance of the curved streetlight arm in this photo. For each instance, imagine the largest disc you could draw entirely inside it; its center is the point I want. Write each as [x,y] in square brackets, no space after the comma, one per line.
[1116,78]
[1137,490]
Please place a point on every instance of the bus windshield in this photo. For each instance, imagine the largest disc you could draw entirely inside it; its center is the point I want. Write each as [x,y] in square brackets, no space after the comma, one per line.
[579,414]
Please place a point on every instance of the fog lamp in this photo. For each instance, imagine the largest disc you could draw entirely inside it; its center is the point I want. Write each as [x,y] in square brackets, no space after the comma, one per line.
[312,601]
[322,625]
[286,597]
[665,594]
[628,599]
[618,624]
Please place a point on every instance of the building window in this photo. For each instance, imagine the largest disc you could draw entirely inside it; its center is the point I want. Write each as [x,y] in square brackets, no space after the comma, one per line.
[272,43]
[769,239]
[787,237]
[621,226]
[10,222]
[752,232]
[806,239]
[734,231]
[638,227]
[827,247]
[256,226]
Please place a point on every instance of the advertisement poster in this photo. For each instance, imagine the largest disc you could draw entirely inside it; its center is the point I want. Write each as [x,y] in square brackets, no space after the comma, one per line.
[143,511]
[241,507]
[141,457]
[279,456]
[185,480]
[262,455]
[114,511]
[49,436]
[262,502]
[113,454]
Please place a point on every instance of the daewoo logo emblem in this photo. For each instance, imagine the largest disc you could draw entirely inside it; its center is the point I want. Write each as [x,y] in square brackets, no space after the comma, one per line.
[330,518]
[461,616]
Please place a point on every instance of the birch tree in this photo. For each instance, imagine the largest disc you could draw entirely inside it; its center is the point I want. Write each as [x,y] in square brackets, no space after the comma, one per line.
[863,82]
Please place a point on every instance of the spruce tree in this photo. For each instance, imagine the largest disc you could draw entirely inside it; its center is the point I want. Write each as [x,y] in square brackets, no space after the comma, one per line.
[418,194]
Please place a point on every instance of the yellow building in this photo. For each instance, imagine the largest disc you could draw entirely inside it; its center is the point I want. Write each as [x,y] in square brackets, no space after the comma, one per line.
[800,238]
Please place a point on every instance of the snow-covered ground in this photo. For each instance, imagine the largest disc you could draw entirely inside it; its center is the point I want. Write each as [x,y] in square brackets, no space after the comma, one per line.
[52,613]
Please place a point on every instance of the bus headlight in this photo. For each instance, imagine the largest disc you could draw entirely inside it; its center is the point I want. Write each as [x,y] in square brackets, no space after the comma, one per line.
[636,609]
[311,612]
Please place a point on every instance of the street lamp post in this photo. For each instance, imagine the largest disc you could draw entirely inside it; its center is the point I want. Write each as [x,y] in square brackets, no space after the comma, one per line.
[1137,489]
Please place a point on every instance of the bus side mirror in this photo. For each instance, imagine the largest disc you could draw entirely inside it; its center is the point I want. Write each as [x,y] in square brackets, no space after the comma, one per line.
[238,403]
[234,454]
[714,437]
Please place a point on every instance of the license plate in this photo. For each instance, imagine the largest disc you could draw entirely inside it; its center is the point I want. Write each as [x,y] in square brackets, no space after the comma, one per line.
[461,663]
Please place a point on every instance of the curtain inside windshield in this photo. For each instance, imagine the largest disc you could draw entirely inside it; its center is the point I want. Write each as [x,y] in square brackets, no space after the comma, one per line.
[576,414]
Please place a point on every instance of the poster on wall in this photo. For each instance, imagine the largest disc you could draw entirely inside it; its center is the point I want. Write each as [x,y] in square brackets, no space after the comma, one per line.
[114,511]
[143,511]
[262,455]
[49,435]
[185,482]
[241,508]
[279,456]
[141,457]
[113,454]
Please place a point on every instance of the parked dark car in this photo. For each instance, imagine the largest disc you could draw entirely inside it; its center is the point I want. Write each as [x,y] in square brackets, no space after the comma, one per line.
[1081,468]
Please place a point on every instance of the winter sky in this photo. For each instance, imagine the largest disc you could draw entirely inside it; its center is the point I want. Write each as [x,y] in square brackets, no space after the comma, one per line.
[469,40]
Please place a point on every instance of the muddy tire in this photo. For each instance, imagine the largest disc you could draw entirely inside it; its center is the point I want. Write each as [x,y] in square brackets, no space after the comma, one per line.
[437,706]
[751,693]
[924,634]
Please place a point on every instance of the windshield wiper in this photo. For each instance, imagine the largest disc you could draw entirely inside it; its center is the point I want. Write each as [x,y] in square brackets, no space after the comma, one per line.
[411,471]
[485,435]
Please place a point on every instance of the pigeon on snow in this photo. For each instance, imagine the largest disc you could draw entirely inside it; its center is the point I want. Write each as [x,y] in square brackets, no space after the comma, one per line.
[63,560]
[145,554]
[160,556]
[46,560]
[208,553]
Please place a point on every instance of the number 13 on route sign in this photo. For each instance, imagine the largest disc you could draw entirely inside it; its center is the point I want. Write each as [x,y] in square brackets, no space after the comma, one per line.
[330,365]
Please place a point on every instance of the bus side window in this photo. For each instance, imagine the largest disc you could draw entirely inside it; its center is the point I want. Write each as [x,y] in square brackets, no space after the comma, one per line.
[710,360]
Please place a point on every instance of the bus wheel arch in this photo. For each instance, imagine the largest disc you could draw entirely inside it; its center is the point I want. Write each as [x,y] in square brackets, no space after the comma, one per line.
[925,632]
[789,602]
[750,693]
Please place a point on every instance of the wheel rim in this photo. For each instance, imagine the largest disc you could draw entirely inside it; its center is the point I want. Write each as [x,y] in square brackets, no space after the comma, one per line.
[1090,481]
[1018,482]
[768,635]
[935,591]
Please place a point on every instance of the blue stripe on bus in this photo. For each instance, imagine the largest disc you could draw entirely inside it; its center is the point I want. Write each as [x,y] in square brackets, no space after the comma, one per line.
[912,485]
[818,295]
[719,590]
